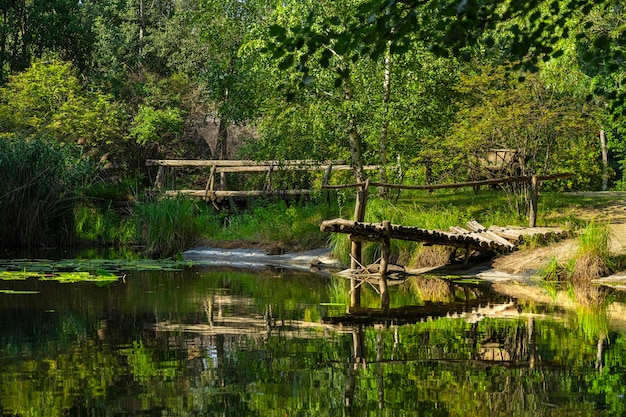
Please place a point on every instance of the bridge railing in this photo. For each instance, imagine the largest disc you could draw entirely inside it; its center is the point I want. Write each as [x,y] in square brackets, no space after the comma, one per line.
[216,184]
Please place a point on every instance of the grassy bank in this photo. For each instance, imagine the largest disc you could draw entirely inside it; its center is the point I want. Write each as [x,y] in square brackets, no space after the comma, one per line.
[166,227]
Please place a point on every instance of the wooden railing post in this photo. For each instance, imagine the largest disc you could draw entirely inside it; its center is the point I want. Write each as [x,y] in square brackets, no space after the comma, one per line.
[355,247]
[160,178]
[327,174]
[534,196]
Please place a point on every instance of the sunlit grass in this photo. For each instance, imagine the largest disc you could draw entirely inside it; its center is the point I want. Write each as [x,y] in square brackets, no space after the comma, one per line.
[295,225]
[593,258]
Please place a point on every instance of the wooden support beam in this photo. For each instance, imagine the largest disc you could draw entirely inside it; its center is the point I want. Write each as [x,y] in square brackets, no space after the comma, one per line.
[220,194]
[385,254]
[356,246]
[237,162]
[210,185]
[327,174]
[534,196]
[160,179]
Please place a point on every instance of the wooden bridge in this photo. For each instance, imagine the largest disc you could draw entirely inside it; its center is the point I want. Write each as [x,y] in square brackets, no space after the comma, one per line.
[216,184]
[477,238]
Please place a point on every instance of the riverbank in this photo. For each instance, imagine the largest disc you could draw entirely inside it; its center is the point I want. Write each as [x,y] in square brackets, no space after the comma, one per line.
[517,266]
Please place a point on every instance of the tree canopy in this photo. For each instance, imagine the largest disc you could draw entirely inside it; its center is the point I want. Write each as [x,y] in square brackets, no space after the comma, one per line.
[399,83]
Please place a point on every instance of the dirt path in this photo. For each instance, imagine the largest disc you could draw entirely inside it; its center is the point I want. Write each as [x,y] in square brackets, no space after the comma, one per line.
[529,260]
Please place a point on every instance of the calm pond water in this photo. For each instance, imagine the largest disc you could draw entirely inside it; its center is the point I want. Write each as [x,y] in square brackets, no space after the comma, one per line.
[226,342]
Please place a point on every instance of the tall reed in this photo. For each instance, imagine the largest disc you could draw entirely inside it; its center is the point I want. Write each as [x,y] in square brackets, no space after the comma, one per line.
[169,226]
[40,183]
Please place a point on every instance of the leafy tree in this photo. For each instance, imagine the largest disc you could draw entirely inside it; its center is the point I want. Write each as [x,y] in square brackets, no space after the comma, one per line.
[225,27]
[32,29]
[547,131]
[49,99]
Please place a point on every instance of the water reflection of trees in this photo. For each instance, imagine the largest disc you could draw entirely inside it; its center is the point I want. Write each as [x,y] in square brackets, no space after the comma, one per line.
[516,367]
[221,360]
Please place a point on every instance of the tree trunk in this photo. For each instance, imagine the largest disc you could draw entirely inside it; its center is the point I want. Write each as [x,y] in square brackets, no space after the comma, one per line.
[605,162]
[385,123]
[142,26]
[222,139]
[354,136]
[221,148]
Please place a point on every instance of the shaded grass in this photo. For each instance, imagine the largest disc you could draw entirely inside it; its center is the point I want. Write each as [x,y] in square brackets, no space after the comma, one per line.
[169,226]
[103,226]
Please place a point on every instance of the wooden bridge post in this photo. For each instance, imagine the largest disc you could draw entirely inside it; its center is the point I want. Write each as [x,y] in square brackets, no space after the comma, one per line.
[355,247]
[160,179]
[384,263]
[209,193]
[534,196]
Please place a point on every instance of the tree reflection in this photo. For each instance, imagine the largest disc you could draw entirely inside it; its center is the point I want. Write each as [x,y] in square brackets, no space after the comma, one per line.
[226,350]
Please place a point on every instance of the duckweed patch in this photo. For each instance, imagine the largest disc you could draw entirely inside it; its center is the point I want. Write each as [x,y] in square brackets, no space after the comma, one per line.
[100,271]
[16,292]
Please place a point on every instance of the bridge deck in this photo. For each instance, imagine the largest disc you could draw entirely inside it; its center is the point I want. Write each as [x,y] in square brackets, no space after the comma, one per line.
[475,237]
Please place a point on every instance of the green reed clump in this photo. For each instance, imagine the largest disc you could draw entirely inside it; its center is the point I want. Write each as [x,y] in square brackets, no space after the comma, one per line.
[593,258]
[169,226]
[41,180]
[102,225]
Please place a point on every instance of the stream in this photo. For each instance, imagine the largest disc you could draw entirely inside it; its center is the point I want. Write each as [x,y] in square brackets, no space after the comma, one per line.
[224,341]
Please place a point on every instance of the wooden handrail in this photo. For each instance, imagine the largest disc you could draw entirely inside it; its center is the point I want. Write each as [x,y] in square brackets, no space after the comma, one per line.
[523,178]
[238,163]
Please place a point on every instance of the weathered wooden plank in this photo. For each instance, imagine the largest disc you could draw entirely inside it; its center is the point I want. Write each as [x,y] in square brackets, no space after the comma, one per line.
[516,233]
[278,168]
[237,162]
[474,226]
[233,194]
[375,231]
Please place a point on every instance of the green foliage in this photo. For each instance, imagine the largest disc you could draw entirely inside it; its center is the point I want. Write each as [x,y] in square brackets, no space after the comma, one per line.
[155,125]
[557,134]
[48,99]
[292,224]
[32,29]
[172,225]
[41,182]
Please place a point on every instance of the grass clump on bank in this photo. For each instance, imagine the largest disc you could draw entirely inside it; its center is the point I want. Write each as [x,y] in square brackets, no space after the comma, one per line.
[593,258]
[169,226]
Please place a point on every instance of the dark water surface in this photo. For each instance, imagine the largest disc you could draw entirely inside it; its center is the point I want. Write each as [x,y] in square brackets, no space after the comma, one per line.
[204,342]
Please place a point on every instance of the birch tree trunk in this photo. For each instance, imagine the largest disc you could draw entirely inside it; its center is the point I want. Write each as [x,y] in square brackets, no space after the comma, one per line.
[385,123]
[353,134]
[605,162]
